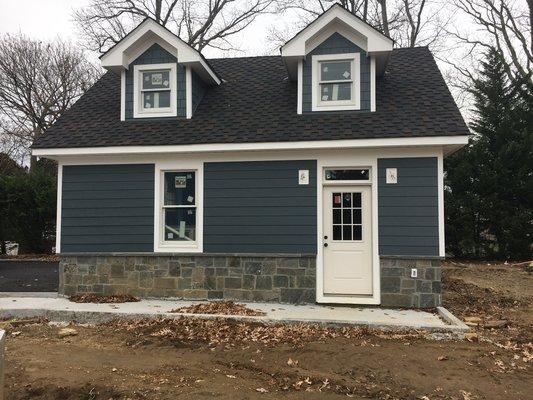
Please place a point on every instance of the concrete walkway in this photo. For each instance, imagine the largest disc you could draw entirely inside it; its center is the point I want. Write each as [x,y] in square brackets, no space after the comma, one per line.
[61,309]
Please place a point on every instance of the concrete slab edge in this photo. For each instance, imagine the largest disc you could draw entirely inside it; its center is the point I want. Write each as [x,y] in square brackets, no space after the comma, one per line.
[2,365]
[455,323]
[36,295]
[97,317]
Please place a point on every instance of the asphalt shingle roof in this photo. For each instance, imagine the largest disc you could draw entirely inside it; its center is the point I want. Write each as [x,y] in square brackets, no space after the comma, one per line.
[257,103]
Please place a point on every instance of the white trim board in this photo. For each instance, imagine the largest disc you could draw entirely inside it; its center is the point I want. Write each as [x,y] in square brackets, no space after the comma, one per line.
[142,37]
[453,142]
[59,206]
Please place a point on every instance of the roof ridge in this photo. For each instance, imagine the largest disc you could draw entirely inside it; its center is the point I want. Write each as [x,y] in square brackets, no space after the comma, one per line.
[241,57]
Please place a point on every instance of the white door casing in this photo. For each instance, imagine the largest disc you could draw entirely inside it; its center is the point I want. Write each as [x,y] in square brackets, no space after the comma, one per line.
[347,240]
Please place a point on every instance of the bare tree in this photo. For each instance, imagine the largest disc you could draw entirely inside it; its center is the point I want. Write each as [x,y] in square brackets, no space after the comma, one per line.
[200,23]
[501,24]
[38,82]
[409,22]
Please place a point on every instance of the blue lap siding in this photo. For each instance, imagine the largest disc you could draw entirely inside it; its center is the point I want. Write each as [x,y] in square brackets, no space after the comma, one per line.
[107,208]
[408,210]
[259,207]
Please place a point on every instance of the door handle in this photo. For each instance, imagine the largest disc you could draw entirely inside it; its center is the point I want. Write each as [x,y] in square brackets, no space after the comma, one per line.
[325,245]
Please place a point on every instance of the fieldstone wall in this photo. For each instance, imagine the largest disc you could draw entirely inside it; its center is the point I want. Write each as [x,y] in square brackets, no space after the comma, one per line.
[398,289]
[285,279]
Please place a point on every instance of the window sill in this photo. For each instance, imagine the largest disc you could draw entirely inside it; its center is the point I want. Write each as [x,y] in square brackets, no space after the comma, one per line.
[339,107]
[155,114]
[170,248]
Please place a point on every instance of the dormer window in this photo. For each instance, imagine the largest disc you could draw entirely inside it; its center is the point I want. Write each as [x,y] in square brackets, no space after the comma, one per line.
[336,82]
[155,89]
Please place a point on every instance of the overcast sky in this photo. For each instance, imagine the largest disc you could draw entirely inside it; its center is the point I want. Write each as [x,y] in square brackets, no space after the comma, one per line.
[48,19]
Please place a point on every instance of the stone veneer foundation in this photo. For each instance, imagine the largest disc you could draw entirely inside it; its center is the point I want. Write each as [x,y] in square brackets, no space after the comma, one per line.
[285,279]
[272,278]
[398,289]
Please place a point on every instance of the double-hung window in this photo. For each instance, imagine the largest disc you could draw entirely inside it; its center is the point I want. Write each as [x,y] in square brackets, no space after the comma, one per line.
[179,206]
[155,90]
[336,82]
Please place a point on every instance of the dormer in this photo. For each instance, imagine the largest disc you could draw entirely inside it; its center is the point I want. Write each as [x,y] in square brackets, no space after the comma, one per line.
[161,75]
[336,60]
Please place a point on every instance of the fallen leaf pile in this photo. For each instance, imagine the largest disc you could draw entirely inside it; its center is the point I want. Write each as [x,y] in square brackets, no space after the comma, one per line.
[33,257]
[9,323]
[96,298]
[221,331]
[222,307]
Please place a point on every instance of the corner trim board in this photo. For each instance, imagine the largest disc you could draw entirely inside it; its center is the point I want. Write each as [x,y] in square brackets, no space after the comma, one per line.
[123,95]
[372,83]
[188,91]
[59,206]
[300,86]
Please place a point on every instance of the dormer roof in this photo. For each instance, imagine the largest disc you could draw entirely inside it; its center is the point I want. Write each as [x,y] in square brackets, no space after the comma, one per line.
[147,33]
[340,20]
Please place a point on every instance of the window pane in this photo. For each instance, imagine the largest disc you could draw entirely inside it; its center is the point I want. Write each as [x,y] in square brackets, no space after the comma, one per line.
[346,232]
[346,216]
[357,216]
[335,91]
[336,198]
[156,79]
[357,232]
[357,199]
[337,216]
[337,232]
[347,174]
[156,99]
[179,188]
[180,224]
[335,70]
[346,199]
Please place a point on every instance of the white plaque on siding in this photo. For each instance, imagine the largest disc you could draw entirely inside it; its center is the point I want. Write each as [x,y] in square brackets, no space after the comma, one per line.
[303,177]
[392,175]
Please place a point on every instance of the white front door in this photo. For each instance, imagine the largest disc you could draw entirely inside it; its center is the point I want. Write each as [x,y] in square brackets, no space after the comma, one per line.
[347,240]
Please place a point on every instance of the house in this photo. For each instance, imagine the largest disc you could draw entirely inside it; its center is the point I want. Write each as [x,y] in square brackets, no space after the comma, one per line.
[312,176]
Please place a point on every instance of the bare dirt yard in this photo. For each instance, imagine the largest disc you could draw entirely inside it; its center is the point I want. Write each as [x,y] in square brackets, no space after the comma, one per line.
[198,359]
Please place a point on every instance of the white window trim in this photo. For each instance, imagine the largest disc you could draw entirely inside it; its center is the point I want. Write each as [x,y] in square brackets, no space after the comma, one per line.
[160,245]
[355,103]
[138,111]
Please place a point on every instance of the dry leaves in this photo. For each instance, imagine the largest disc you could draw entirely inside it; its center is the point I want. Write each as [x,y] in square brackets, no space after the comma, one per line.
[292,363]
[96,298]
[220,331]
[222,307]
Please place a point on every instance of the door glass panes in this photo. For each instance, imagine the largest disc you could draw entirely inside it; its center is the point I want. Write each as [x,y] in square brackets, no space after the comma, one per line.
[347,174]
[347,216]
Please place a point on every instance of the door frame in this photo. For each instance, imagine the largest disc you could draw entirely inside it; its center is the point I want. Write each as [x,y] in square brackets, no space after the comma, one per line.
[375,298]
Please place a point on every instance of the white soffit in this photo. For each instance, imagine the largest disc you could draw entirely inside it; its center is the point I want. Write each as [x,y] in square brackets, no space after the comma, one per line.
[339,18]
[145,35]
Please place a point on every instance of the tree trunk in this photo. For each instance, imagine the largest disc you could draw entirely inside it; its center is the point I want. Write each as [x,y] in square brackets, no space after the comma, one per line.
[158,10]
[530,5]
[384,18]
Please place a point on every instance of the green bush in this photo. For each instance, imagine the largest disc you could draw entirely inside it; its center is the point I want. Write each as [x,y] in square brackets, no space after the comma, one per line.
[28,209]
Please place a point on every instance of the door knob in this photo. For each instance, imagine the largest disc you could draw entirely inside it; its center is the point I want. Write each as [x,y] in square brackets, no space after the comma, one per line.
[325,245]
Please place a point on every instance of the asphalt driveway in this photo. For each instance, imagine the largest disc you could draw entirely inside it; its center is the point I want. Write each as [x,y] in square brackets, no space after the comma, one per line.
[28,276]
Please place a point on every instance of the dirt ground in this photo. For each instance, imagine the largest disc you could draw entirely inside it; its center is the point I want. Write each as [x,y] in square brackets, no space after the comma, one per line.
[195,359]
